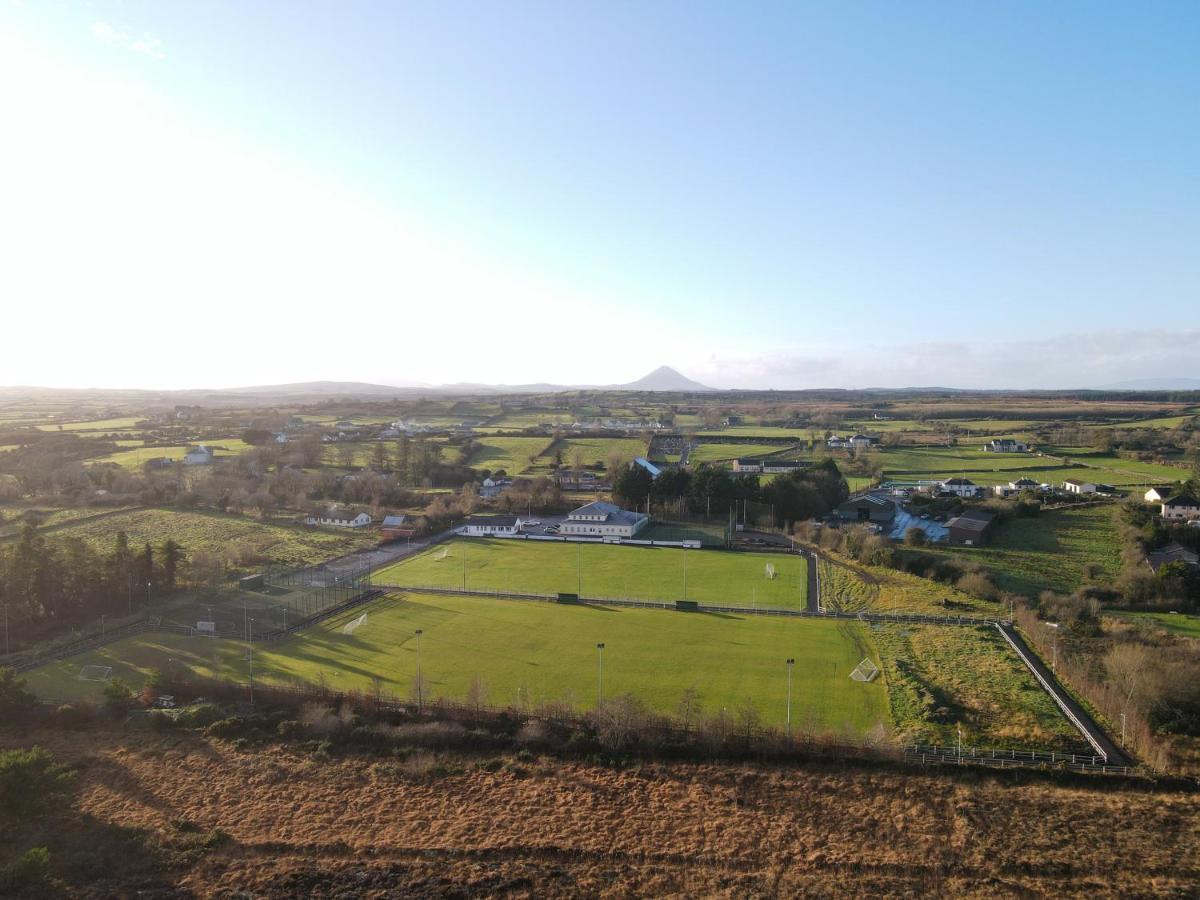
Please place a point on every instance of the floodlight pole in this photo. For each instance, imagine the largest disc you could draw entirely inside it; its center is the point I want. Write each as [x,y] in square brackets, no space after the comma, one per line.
[148,598]
[6,648]
[579,570]
[599,676]
[420,687]
[1054,650]
[790,663]
[685,573]
[129,585]
[1122,729]
[101,626]
[464,565]
[250,654]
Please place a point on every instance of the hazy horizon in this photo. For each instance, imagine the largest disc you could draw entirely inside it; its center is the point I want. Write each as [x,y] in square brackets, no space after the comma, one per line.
[790,196]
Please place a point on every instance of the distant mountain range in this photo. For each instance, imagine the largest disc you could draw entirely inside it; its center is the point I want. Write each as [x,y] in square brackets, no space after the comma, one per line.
[664,378]
[1154,384]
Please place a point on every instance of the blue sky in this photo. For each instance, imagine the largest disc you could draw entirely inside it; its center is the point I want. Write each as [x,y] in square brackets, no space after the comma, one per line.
[763,195]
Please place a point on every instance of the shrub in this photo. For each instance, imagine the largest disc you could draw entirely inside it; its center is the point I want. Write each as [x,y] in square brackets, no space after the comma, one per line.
[29,779]
[15,701]
[28,870]
[73,717]
[200,715]
[118,698]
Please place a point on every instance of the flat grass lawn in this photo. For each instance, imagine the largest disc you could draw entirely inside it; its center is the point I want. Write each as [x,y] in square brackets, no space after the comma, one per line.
[512,454]
[718,452]
[244,543]
[1048,551]
[594,450]
[530,651]
[930,463]
[1117,471]
[1176,623]
[717,577]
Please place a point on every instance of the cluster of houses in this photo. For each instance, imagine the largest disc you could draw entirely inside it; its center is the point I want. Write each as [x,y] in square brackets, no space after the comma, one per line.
[1173,506]
[393,527]
[1005,445]
[854,442]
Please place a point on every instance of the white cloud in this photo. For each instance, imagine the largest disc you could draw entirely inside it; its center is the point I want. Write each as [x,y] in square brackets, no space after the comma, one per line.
[147,44]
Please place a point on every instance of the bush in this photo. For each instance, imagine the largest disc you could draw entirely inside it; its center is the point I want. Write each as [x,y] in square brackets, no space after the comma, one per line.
[73,717]
[28,870]
[118,698]
[200,715]
[15,701]
[29,779]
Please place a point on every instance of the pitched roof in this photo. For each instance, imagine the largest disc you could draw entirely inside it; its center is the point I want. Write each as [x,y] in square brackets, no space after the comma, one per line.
[609,511]
[962,482]
[972,520]
[393,521]
[1182,500]
[1172,553]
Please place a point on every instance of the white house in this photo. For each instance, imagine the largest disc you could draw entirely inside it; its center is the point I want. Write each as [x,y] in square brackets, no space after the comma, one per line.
[1015,487]
[339,518]
[1005,445]
[601,519]
[1075,486]
[862,441]
[1157,494]
[1181,509]
[963,487]
[491,487]
[198,456]
[748,466]
[491,526]
[838,443]
[281,437]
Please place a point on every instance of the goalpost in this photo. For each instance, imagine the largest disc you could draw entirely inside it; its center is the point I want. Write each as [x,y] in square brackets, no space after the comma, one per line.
[353,625]
[441,554]
[771,570]
[95,673]
[865,671]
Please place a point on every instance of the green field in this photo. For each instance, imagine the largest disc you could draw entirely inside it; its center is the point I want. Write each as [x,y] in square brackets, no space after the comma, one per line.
[717,577]
[1117,471]
[243,543]
[1048,551]
[530,651]
[703,453]
[593,451]
[1176,623]
[100,425]
[512,454]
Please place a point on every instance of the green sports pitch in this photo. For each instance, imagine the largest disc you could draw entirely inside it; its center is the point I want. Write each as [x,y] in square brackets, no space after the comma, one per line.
[606,571]
[530,651]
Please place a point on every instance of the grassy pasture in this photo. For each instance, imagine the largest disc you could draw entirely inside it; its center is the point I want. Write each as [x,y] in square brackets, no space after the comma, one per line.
[1049,551]
[605,570]
[1117,471]
[1179,624]
[707,453]
[122,423]
[529,651]
[594,450]
[133,457]
[247,542]
[512,454]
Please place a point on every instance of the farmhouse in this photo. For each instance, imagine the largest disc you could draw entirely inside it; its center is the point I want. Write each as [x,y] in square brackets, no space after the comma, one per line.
[1075,486]
[863,441]
[198,456]
[491,487]
[1172,553]
[491,526]
[1157,494]
[971,528]
[1181,509]
[601,519]
[339,518]
[1005,445]
[867,508]
[963,487]
[748,466]
[838,443]
[1015,487]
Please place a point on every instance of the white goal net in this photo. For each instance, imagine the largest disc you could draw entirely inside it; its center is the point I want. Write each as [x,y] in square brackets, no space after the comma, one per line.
[95,673]
[355,624]
[771,570]
[441,554]
[865,671]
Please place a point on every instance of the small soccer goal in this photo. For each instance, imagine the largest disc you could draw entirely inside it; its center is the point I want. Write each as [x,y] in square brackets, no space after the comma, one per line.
[865,671]
[771,570]
[355,624]
[441,554]
[95,673]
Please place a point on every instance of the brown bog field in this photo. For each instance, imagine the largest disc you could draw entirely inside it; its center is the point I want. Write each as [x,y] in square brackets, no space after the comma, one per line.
[279,821]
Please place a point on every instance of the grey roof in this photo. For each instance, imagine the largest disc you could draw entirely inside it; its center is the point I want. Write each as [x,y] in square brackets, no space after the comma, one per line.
[650,467]
[611,513]
[959,481]
[393,521]
[749,462]
[881,502]
[1172,553]
[1024,481]
[1182,500]
[972,520]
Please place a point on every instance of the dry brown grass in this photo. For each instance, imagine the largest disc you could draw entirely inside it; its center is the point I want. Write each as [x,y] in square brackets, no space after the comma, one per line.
[359,827]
